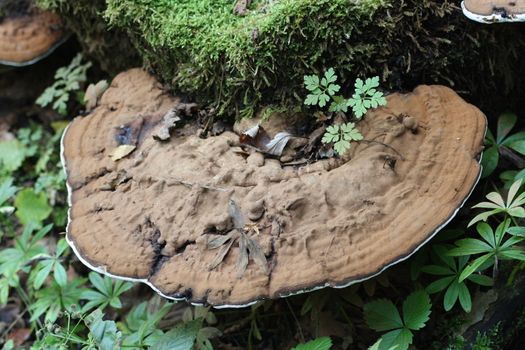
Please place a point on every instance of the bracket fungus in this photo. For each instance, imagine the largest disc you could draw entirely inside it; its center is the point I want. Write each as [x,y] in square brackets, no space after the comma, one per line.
[28,38]
[179,215]
[494,11]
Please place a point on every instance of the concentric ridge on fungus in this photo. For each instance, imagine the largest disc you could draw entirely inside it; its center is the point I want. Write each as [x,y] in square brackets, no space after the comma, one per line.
[27,39]
[148,217]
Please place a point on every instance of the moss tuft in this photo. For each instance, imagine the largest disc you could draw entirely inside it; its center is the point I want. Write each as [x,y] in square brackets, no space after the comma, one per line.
[239,63]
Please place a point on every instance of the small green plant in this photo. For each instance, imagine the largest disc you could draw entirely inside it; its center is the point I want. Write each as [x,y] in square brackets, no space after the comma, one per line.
[512,207]
[67,81]
[341,136]
[382,315]
[493,247]
[51,263]
[106,292]
[495,145]
[321,89]
[365,96]
[449,270]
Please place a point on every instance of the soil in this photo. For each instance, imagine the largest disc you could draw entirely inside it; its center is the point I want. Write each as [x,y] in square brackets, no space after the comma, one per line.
[25,39]
[152,215]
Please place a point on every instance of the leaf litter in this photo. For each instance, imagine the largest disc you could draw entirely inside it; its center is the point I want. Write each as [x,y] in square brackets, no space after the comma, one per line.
[249,249]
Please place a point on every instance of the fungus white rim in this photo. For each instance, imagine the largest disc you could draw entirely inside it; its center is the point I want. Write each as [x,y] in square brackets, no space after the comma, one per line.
[102,269]
[492,18]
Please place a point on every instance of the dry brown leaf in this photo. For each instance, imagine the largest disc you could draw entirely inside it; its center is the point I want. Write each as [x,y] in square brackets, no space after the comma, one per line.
[217,241]
[223,251]
[236,215]
[257,254]
[122,151]
[242,259]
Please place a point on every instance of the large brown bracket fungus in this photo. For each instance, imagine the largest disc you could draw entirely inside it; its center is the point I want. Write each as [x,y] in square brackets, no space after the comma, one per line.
[494,11]
[163,213]
[26,39]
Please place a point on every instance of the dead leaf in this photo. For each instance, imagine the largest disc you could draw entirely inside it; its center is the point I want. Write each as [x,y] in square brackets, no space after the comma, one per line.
[169,122]
[93,94]
[257,137]
[236,215]
[242,258]
[257,254]
[223,251]
[122,151]
[218,240]
[276,145]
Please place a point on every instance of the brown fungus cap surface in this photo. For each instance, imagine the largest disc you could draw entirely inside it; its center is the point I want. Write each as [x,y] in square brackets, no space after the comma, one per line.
[154,214]
[494,11]
[28,38]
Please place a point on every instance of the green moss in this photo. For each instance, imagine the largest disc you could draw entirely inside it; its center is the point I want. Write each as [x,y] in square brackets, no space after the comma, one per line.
[199,47]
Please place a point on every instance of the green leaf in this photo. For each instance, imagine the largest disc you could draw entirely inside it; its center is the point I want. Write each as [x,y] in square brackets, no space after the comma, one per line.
[32,207]
[512,254]
[517,231]
[311,82]
[399,339]
[451,296]
[323,99]
[182,337]
[330,75]
[60,274]
[105,333]
[519,136]
[486,232]
[489,161]
[437,270]
[416,310]
[464,297]
[7,190]
[469,246]
[12,155]
[311,99]
[482,280]
[518,146]
[382,315]
[506,122]
[474,266]
[322,343]
[341,146]
[40,277]
[439,285]
[332,89]
[98,282]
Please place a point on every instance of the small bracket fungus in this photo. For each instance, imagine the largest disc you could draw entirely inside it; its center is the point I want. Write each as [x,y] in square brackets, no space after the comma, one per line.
[26,39]
[494,11]
[198,221]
